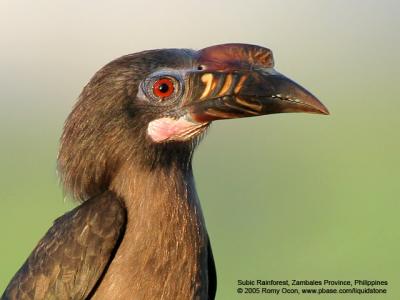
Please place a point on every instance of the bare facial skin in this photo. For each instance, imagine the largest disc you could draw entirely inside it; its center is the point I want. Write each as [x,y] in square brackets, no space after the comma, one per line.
[169,129]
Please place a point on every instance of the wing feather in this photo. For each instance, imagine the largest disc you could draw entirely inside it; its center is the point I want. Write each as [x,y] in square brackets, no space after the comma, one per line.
[70,259]
[212,274]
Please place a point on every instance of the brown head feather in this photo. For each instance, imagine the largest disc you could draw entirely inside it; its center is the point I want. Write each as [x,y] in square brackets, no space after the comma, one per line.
[106,128]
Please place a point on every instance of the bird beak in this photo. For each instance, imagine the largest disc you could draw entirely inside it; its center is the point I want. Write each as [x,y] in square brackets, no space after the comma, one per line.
[233,93]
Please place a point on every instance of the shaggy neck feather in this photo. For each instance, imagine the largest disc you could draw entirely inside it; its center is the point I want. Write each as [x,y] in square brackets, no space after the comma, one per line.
[165,242]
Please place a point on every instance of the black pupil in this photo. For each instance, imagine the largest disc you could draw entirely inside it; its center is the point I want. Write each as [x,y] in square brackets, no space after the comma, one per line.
[163,88]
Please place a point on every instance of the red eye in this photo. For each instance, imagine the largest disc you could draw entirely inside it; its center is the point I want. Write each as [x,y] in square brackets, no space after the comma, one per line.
[163,88]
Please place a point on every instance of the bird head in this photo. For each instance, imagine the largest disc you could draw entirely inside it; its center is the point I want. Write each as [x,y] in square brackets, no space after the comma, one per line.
[151,108]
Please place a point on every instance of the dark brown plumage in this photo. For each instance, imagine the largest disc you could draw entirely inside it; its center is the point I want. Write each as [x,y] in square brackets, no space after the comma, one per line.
[85,236]
[126,154]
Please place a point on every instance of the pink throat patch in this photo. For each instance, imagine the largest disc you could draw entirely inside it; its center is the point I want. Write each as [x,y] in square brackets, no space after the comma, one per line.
[168,129]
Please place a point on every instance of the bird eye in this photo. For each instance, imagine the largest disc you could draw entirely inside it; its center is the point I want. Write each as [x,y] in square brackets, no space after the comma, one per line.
[163,88]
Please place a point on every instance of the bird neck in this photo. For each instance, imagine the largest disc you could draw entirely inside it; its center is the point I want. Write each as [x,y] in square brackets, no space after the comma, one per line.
[165,241]
[144,187]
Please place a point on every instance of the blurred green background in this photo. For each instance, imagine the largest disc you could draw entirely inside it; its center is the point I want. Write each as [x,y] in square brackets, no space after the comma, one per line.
[290,196]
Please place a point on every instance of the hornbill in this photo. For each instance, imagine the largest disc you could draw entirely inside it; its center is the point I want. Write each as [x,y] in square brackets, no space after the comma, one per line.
[126,154]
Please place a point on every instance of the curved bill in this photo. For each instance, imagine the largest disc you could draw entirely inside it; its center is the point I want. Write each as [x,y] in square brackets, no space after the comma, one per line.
[238,94]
